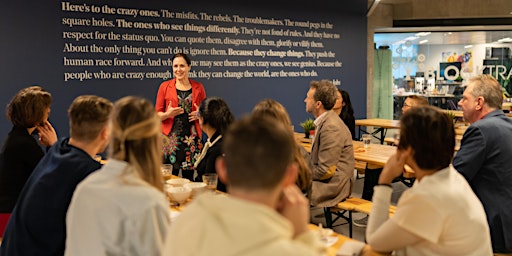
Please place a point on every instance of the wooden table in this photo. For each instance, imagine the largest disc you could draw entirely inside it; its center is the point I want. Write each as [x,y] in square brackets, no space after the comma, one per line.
[376,154]
[382,126]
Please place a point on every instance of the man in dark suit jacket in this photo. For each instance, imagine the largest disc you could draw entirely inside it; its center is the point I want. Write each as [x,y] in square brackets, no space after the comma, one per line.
[484,156]
[332,156]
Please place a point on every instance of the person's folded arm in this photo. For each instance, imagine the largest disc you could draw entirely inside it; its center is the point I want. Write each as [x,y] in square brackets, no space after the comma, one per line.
[382,234]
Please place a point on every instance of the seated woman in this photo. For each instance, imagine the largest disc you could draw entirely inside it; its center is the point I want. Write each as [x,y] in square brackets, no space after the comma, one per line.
[28,112]
[343,107]
[214,118]
[121,209]
[439,214]
[272,108]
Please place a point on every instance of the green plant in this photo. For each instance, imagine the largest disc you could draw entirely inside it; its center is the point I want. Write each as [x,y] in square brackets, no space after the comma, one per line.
[308,125]
[450,114]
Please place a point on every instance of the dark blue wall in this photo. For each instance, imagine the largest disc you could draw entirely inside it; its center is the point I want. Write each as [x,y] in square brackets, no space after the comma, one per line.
[31,53]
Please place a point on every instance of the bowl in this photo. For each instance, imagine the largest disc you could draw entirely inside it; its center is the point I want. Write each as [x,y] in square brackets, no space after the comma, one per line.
[197,187]
[179,194]
[179,182]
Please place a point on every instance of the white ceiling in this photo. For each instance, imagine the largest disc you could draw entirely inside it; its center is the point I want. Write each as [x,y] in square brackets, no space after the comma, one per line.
[440,35]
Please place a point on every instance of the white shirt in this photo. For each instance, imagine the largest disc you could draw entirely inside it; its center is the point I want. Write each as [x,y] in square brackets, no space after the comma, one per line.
[224,225]
[439,215]
[114,212]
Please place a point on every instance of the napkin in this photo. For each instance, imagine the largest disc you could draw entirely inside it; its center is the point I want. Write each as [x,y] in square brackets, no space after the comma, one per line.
[350,248]
[174,215]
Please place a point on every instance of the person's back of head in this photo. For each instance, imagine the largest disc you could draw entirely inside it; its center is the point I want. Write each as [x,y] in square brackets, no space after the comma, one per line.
[88,116]
[215,112]
[487,87]
[29,107]
[258,151]
[272,108]
[135,138]
[430,133]
[325,92]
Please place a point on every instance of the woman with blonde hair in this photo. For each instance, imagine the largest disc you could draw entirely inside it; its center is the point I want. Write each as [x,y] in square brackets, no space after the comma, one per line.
[272,108]
[121,209]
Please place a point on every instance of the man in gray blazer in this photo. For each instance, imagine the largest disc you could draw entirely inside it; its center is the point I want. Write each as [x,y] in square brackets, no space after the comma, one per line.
[332,156]
[484,156]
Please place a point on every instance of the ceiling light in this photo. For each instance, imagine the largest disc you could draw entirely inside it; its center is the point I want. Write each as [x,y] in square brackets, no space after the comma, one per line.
[423,34]
[468,46]
[505,40]
[423,41]
[411,38]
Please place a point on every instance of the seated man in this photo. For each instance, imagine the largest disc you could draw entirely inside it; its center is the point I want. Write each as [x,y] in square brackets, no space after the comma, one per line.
[38,223]
[484,156]
[264,212]
[332,154]
[439,214]
[413,101]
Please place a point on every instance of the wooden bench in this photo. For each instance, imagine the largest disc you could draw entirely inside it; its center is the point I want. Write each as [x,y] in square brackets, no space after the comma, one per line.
[389,141]
[360,166]
[351,204]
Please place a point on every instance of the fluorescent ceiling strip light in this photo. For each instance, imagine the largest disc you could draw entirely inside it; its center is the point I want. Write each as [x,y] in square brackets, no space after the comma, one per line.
[423,33]
[505,40]
[423,41]
[468,46]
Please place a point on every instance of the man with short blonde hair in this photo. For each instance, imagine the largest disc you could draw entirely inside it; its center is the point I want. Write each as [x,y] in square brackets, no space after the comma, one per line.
[264,212]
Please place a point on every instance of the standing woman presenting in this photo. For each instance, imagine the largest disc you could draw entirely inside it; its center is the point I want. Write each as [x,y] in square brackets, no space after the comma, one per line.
[177,102]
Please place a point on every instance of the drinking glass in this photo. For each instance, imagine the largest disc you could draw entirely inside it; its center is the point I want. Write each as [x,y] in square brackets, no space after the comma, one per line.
[366,138]
[167,171]
[211,181]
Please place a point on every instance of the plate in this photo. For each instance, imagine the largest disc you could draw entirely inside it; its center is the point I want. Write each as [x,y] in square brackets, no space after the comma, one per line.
[330,240]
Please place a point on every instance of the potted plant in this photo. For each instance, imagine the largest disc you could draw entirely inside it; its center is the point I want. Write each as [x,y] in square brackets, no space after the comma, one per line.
[308,125]
[451,115]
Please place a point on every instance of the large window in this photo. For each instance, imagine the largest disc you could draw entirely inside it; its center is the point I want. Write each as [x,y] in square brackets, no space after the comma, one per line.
[449,57]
